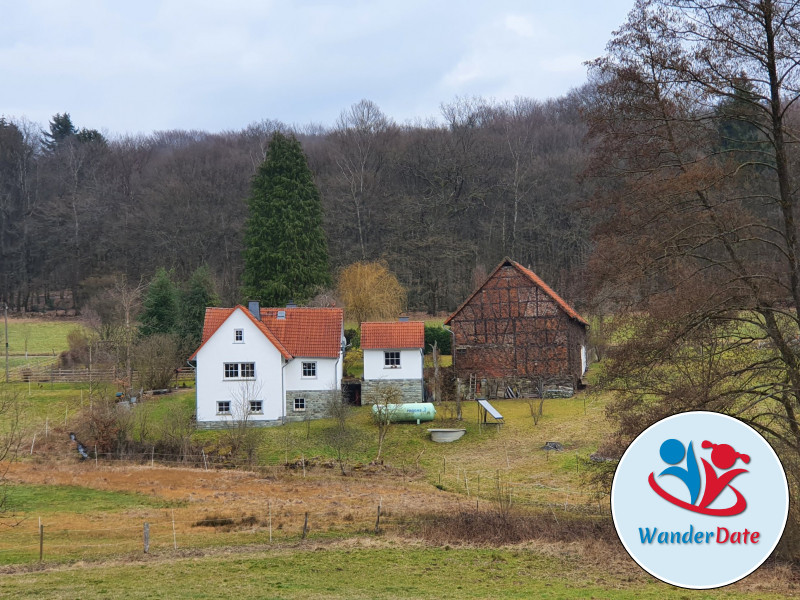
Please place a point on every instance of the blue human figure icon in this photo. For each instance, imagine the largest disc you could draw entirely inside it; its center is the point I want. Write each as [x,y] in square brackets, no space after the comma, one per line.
[672,452]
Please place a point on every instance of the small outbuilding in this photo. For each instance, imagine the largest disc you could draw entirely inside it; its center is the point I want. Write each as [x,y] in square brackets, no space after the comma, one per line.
[393,355]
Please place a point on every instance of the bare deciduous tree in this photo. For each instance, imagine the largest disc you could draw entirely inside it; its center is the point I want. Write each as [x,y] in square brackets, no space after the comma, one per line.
[370,292]
[387,397]
[240,433]
[696,103]
[10,440]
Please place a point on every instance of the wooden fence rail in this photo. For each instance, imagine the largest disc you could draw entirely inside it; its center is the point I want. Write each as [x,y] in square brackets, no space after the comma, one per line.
[37,374]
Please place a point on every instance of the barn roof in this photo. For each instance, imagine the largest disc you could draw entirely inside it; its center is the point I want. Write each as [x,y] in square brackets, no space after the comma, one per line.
[535,279]
[312,332]
[400,334]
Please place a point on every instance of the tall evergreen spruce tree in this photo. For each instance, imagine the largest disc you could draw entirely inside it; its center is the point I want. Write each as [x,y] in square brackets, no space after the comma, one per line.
[160,306]
[286,255]
[197,295]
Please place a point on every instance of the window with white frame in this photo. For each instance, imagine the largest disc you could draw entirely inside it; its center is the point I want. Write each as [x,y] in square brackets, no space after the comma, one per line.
[238,336]
[309,369]
[246,370]
[257,406]
[224,407]
[299,404]
[391,359]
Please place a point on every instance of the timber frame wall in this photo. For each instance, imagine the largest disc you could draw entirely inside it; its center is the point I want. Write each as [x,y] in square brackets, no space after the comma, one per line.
[512,329]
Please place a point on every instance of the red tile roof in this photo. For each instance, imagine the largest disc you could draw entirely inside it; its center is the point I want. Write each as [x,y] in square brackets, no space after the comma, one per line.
[535,279]
[313,332]
[214,318]
[401,334]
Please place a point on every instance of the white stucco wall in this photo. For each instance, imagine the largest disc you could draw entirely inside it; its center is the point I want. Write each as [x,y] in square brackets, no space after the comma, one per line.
[220,349]
[329,374]
[410,365]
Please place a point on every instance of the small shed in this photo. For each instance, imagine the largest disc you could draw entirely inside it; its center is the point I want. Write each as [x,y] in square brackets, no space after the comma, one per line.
[393,356]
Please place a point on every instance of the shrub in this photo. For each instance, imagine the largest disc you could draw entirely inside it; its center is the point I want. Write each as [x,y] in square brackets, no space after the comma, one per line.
[353,337]
[440,335]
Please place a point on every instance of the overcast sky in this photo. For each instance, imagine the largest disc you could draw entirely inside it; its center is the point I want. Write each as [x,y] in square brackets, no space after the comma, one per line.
[135,67]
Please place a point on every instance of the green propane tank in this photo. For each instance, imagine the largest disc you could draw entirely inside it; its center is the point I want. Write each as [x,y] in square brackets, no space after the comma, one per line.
[403,413]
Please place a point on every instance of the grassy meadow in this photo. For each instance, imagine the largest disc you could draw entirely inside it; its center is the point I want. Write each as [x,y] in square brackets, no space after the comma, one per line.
[223,532]
[373,571]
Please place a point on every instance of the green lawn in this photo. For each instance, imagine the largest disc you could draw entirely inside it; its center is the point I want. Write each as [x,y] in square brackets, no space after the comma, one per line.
[46,499]
[41,337]
[369,573]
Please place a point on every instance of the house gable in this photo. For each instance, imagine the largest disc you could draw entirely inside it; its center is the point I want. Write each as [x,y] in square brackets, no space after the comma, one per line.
[216,317]
[557,300]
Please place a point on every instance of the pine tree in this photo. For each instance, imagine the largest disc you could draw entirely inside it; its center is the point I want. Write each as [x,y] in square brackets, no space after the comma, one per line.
[160,307]
[61,129]
[195,298]
[286,255]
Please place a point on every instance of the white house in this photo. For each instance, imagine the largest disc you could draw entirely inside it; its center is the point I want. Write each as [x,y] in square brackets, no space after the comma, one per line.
[271,365]
[393,354]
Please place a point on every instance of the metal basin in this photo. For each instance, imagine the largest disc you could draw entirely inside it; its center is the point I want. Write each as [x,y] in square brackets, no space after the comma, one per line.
[446,435]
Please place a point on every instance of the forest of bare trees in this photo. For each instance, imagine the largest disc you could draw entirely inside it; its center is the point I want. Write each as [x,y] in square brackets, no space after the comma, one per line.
[439,201]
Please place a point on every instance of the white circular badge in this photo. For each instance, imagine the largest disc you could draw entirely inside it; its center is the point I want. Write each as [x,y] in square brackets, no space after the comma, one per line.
[699,500]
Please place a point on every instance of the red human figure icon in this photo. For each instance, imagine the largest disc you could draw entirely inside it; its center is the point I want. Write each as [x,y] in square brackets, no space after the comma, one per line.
[724,457]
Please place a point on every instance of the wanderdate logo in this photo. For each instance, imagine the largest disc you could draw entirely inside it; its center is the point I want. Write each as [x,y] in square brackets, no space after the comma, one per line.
[723,457]
[699,500]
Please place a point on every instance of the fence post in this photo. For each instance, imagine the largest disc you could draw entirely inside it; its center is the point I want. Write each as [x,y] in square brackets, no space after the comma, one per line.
[174,537]
[41,539]
[269,506]
[305,527]
[378,520]
[146,537]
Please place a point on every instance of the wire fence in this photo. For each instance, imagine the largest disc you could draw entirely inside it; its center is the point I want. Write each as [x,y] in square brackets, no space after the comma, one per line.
[50,538]
[276,522]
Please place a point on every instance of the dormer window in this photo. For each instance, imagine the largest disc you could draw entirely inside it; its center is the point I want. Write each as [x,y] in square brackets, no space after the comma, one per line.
[238,336]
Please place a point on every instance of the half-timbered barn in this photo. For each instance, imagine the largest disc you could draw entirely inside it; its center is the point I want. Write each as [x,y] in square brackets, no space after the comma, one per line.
[516,336]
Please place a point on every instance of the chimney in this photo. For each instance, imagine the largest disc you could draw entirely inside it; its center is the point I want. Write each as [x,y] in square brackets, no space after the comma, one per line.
[291,304]
[403,318]
[255,309]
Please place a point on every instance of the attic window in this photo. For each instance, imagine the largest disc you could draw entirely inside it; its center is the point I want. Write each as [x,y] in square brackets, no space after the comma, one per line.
[238,336]
[281,314]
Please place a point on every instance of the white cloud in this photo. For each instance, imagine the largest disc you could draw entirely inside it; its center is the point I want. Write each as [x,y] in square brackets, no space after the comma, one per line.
[158,64]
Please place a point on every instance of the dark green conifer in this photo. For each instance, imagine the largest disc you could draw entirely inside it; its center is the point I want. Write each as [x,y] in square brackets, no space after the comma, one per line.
[286,254]
[160,307]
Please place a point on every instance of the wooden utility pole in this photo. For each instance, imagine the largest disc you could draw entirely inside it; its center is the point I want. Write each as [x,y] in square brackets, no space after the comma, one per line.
[5,312]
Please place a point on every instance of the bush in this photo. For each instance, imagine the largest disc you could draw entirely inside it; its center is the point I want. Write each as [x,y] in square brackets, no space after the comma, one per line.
[353,337]
[437,333]
[155,358]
